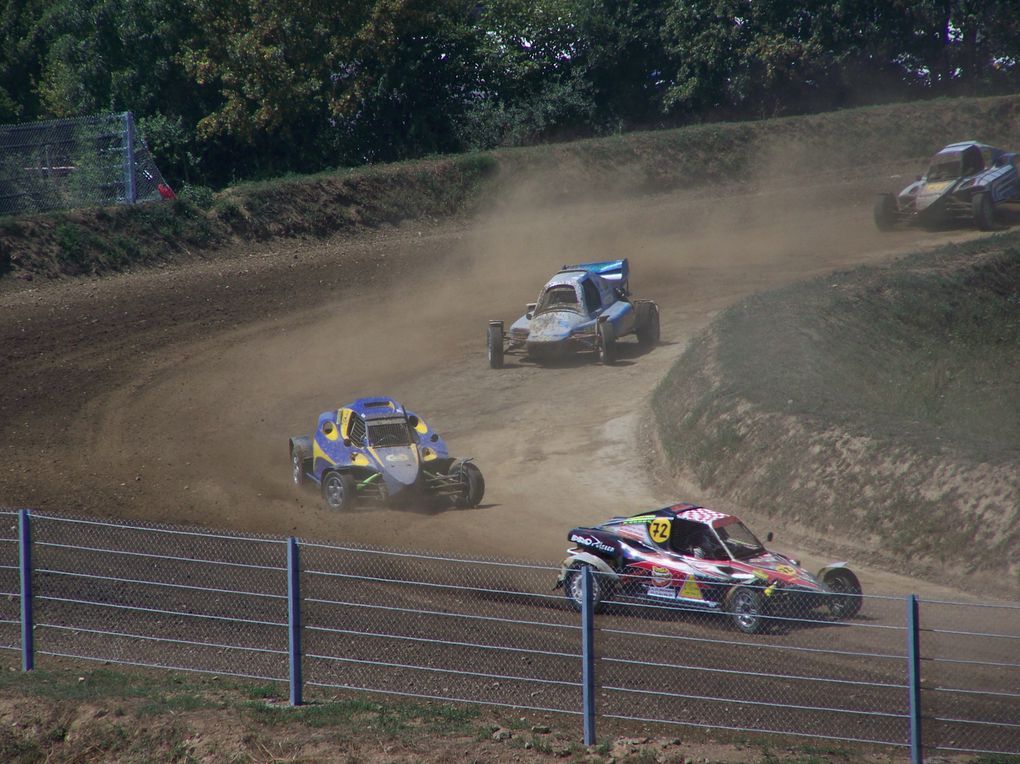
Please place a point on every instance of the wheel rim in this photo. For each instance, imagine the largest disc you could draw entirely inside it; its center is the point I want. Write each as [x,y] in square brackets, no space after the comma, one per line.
[334,491]
[843,602]
[297,472]
[745,611]
[577,587]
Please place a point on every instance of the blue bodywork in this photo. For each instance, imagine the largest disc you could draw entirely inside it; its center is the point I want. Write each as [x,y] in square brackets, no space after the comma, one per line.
[955,175]
[386,449]
[570,306]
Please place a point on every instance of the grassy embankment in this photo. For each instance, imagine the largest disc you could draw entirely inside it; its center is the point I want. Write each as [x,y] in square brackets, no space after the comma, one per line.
[880,406]
[97,241]
[86,715]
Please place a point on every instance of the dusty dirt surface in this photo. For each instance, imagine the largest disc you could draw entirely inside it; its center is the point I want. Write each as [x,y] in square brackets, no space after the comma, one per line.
[169,395]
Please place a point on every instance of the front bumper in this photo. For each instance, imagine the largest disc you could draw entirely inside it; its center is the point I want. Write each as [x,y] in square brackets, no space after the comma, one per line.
[577,343]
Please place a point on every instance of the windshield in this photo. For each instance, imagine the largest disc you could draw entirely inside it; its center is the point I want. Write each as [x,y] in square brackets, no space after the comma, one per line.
[740,542]
[945,167]
[389,433]
[562,297]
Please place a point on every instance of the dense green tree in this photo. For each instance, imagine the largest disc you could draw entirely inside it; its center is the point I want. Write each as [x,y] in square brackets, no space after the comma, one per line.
[230,89]
[405,80]
[530,86]
[622,54]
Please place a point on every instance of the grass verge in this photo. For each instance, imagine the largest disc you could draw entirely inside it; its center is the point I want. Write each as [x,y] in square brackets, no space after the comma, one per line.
[880,404]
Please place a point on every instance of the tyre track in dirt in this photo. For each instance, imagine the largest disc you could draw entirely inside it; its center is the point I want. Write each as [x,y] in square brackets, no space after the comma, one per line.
[169,396]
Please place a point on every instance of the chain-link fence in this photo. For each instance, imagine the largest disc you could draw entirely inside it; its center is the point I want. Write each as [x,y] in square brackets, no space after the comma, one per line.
[80,162]
[325,618]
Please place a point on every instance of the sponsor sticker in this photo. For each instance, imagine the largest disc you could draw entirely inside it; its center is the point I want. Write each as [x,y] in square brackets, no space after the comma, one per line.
[661,576]
[786,570]
[662,593]
[690,590]
[591,542]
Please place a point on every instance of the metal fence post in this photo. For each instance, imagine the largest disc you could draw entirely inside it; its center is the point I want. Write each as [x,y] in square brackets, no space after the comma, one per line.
[25,559]
[914,679]
[588,655]
[130,194]
[294,619]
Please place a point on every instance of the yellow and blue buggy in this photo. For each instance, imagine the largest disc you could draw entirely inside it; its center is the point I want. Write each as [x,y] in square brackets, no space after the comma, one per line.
[375,451]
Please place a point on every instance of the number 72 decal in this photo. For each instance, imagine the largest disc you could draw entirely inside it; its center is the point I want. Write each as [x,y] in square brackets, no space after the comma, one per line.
[658,529]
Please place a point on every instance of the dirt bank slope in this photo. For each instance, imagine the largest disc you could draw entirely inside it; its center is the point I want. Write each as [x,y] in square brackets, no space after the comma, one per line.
[844,145]
[879,405]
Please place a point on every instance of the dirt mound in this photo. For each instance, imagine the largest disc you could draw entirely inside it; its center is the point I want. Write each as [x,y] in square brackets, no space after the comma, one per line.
[878,405]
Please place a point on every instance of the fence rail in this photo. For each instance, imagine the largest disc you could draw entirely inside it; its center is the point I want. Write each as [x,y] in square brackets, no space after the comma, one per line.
[927,675]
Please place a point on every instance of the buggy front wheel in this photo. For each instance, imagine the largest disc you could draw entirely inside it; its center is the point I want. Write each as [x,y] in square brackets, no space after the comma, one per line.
[494,343]
[472,483]
[573,586]
[845,598]
[745,608]
[983,211]
[339,491]
[605,344]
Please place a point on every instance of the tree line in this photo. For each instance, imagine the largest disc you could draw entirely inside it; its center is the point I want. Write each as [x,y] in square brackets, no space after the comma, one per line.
[225,90]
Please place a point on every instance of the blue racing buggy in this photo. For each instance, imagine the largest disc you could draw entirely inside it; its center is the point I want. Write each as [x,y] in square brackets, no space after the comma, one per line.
[965,181]
[585,307]
[375,451]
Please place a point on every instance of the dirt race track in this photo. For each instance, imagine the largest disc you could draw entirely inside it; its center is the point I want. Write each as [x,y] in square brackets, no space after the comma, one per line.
[170,394]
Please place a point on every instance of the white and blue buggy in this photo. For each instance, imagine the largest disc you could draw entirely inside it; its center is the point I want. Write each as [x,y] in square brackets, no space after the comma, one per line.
[583,308]
[966,181]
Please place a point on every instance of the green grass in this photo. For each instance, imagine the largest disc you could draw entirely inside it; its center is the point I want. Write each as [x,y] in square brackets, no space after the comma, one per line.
[808,397]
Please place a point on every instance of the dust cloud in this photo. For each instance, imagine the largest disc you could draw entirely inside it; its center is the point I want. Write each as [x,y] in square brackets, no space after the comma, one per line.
[226,404]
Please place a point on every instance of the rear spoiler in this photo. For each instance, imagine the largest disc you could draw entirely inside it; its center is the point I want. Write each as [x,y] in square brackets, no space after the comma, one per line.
[610,270]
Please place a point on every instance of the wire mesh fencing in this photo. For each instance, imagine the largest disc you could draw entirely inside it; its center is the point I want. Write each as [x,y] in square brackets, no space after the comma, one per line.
[439,627]
[336,619]
[797,669]
[78,162]
[970,689]
[10,584]
[159,596]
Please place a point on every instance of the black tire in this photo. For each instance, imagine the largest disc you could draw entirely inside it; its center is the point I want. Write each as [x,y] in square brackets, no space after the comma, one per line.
[494,342]
[600,586]
[472,481]
[846,598]
[983,211]
[885,212]
[339,491]
[605,344]
[297,467]
[648,324]
[745,608]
